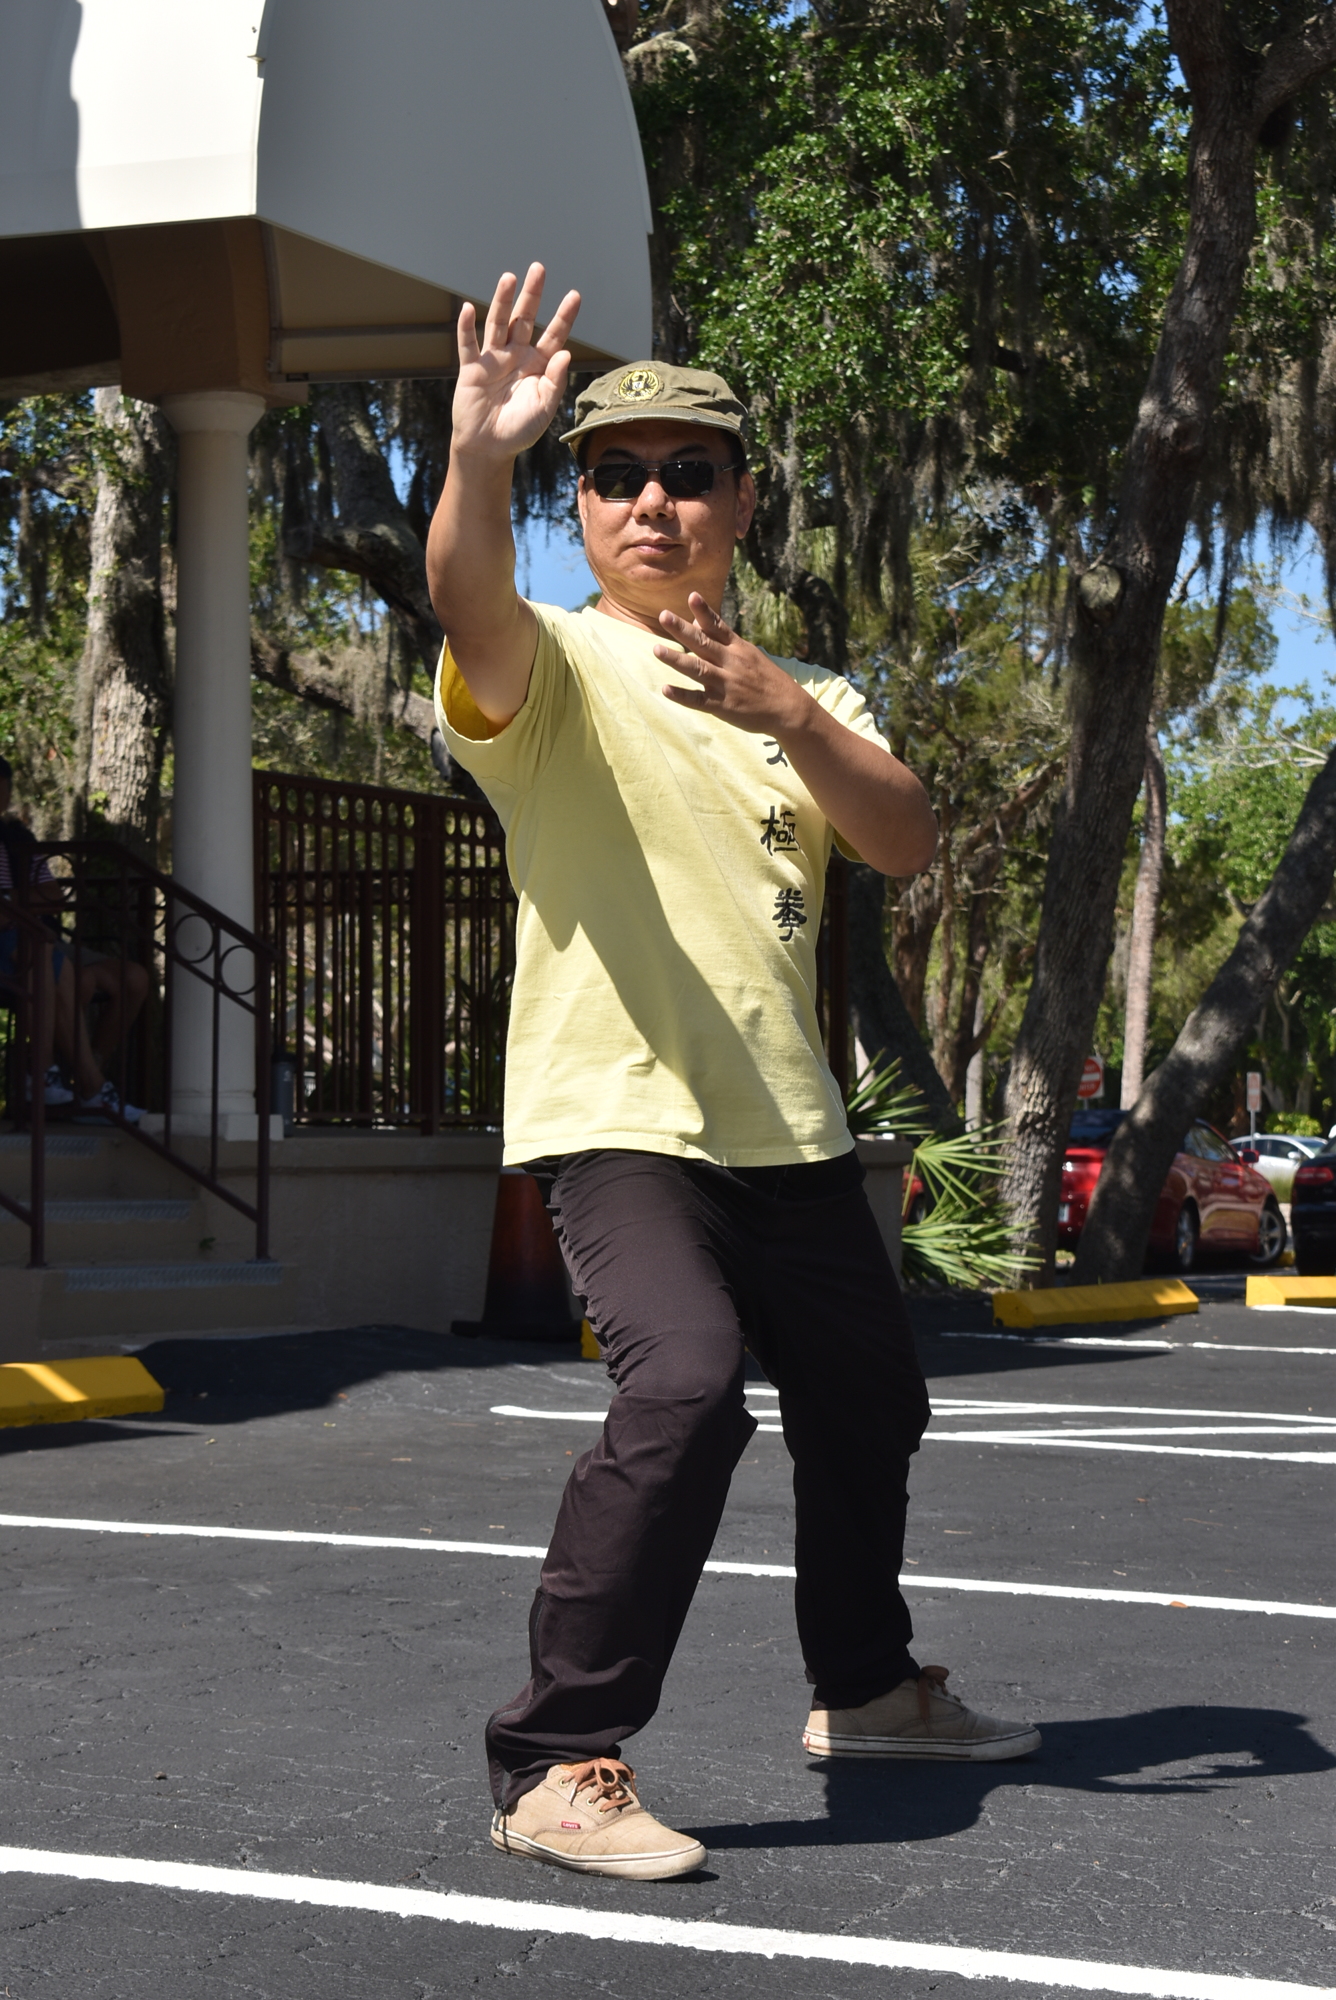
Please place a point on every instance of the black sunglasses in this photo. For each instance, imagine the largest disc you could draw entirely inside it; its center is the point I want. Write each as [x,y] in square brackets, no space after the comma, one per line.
[680,478]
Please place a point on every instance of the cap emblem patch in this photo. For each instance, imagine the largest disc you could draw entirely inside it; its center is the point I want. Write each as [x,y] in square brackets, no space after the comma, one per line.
[639,385]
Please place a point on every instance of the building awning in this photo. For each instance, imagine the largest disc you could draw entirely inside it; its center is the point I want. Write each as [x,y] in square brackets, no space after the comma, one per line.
[256,193]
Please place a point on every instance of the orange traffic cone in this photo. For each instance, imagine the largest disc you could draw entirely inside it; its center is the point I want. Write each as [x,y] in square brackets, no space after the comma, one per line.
[527,1297]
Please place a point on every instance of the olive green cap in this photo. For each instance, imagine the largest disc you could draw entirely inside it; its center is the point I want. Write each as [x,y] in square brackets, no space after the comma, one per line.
[656,389]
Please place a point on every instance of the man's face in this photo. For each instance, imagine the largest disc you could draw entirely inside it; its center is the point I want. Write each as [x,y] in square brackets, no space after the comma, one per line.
[648,554]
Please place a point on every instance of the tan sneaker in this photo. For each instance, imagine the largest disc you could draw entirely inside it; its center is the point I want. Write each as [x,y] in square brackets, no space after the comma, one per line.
[587,1817]
[917,1719]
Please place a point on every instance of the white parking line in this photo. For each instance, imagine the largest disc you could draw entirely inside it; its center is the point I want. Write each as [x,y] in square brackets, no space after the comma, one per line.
[1073,1975]
[910,1581]
[1148,1346]
[1219,1347]
[1000,1406]
[995,1404]
[315,1536]
[556,1416]
[1074,1440]
[1067,1340]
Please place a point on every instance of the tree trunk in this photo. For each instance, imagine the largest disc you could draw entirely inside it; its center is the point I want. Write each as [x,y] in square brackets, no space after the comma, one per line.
[124,687]
[974,1072]
[1113,1242]
[1145,911]
[971,1024]
[373,538]
[1120,602]
[881,1021]
[913,927]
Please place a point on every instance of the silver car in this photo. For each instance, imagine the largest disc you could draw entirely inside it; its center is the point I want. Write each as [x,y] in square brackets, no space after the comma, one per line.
[1278,1155]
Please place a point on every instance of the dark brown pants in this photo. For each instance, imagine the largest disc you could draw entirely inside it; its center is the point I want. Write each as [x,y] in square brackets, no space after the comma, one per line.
[682,1266]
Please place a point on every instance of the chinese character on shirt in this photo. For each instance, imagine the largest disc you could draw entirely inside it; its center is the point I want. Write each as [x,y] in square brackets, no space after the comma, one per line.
[780,830]
[770,744]
[788,912]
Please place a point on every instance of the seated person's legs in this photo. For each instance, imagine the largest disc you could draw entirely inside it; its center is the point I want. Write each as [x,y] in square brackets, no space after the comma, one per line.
[111,993]
[71,1036]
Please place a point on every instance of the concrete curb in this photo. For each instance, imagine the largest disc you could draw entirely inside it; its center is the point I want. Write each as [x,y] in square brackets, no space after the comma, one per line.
[108,1385]
[1082,1305]
[1270,1289]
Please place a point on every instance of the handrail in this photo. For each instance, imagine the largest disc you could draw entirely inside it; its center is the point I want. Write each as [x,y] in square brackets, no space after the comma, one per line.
[138,905]
[31,992]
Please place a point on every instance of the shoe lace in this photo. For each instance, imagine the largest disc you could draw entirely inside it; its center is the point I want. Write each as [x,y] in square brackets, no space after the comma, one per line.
[932,1681]
[612,1784]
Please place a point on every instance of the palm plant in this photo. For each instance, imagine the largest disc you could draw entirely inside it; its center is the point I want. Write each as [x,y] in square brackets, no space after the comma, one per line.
[965,1236]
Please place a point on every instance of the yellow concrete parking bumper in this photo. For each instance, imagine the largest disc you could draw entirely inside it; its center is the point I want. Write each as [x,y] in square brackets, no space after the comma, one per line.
[57,1392]
[1282,1288]
[1082,1305]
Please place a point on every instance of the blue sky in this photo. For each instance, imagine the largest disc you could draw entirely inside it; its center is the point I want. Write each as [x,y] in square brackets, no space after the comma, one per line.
[1306,653]
[552,570]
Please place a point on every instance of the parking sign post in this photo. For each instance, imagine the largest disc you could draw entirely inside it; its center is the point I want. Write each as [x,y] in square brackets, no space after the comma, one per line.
[1254,1102]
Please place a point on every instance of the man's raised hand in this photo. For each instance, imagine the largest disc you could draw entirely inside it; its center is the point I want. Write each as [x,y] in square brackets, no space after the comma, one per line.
[510,384]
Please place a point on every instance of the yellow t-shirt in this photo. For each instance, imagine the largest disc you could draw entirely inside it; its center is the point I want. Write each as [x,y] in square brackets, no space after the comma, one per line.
[670,871]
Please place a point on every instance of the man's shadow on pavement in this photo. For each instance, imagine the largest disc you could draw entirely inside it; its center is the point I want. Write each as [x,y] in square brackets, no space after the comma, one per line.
[869,1801]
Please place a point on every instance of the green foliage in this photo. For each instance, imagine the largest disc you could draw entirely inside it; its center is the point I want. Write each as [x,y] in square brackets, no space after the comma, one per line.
[884,219]
[1296,1123]
[49,448]
[1234,802]
[965,1237]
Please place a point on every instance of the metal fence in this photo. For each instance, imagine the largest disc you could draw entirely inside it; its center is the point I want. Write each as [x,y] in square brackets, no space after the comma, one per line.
[392,921]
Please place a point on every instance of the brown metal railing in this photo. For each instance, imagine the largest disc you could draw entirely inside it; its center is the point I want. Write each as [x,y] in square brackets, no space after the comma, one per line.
[25,996]
[113,908]
[392,922]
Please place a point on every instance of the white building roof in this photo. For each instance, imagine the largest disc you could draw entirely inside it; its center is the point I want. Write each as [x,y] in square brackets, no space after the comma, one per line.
[400,153]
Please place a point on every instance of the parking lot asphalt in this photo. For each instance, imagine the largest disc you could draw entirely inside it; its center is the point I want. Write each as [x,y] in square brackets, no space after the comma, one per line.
[307,1712]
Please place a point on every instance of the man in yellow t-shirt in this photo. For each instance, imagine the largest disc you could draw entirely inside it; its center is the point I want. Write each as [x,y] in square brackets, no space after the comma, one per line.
[670,794]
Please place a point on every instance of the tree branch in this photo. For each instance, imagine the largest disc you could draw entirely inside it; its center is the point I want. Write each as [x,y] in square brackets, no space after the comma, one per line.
[1295,60]
[322,680]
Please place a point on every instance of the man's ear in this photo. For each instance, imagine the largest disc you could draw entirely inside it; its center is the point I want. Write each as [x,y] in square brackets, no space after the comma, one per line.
[746,486]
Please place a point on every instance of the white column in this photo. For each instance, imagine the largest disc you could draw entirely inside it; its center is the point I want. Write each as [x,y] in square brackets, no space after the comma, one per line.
[211,786]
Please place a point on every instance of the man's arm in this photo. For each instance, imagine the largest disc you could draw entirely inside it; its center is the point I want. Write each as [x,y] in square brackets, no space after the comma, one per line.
[507,394]
[873,801]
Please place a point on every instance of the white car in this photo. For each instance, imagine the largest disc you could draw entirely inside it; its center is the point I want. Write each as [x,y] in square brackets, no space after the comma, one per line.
[1278,1155]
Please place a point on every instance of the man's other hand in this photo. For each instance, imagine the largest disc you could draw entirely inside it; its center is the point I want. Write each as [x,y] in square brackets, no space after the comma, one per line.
[735,680]
[871,799]
[510,385]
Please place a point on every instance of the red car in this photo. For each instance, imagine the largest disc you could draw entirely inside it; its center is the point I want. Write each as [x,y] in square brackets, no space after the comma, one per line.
[1212,1200]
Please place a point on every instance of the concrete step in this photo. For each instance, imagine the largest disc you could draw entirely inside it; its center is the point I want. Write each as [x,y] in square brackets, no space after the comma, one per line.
[91,1164]
[94,1308]
[88,1230]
